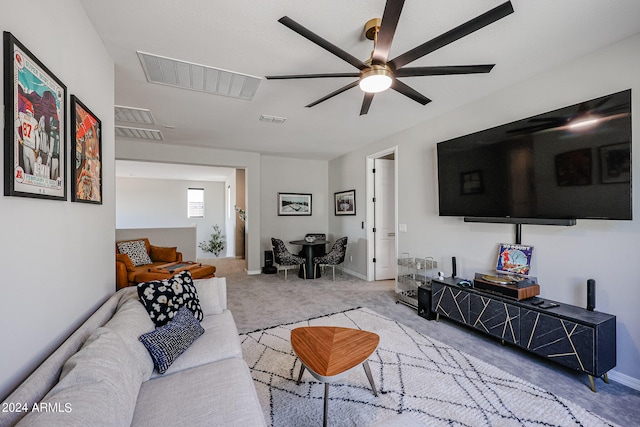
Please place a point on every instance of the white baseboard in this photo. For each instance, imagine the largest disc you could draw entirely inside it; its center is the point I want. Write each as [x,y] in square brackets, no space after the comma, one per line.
[353,273]
[253,272]
[623,379]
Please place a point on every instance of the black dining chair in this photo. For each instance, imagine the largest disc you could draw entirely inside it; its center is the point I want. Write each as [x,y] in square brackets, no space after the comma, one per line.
[285,259]
[334,257]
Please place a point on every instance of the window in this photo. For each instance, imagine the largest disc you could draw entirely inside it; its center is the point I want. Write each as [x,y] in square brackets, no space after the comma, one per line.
[195,203]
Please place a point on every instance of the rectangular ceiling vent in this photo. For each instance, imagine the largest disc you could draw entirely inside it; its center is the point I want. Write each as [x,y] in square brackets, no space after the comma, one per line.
[142,116]
[272,119]
[139,133]
[201,78]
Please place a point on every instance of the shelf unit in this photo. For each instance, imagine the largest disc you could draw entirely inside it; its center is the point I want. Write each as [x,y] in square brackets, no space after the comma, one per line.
[413,273]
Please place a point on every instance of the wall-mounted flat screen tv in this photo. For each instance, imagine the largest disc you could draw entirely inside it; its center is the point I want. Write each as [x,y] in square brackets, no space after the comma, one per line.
[571,163]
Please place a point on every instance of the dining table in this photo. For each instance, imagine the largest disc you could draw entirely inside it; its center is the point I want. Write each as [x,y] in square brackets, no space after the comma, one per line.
[307,248]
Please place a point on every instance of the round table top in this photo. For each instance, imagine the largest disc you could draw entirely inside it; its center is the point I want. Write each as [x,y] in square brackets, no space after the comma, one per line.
[304,242]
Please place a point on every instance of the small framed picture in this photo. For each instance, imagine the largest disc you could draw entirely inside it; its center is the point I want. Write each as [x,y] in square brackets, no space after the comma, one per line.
[86,154]
[35,103]
[294,204]
[345,202]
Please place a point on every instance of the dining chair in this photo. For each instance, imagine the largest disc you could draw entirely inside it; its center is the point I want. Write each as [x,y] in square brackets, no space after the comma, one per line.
[285,259]
[334,257]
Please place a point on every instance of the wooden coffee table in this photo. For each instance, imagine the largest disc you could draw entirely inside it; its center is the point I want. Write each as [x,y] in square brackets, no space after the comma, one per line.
[330,352]
[166,271]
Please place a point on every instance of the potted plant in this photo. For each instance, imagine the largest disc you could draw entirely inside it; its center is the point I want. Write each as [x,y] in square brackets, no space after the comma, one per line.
[215,244]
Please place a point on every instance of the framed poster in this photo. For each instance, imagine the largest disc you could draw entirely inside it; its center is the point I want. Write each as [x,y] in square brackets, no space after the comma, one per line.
[345,202]
[292,204]
[35,126]
[86,154]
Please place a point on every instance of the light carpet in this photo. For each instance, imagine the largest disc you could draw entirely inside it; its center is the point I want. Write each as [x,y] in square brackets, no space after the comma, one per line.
[414,374]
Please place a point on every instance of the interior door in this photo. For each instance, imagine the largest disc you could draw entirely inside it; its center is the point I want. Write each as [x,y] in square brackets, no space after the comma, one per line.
[384,208]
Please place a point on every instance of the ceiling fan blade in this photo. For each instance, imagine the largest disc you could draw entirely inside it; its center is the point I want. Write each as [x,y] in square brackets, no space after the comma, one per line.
[311,36]
[388,26]
[450,36]
[334,93]
[311,76]
[366,103]
[407,91]
[443,70]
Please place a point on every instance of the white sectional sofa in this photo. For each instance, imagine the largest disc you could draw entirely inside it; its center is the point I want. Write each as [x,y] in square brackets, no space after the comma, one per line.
[104,376]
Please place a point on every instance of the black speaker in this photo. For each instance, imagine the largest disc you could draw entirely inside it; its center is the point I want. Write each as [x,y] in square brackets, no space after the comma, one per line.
[453,267]
[268,258]
[591,294]
[424,303]
[268,263]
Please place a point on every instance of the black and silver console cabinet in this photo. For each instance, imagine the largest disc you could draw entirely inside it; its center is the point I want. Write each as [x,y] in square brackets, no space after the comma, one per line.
[569,335]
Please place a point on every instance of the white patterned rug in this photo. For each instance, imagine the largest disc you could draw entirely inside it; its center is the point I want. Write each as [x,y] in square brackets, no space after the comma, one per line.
[414,374]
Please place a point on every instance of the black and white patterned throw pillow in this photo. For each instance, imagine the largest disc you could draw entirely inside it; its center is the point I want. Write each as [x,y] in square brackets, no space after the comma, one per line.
[137,252]
[163,298]
[168,342]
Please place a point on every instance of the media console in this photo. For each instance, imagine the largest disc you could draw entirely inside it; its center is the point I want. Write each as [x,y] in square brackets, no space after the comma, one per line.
[569,335]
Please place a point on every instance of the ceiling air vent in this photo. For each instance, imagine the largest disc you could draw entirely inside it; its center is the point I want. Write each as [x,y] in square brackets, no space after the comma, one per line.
[134,115]
[272,119]
[138,133]
[201,78]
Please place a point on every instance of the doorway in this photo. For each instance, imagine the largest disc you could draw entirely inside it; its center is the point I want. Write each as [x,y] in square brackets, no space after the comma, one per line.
[382,214]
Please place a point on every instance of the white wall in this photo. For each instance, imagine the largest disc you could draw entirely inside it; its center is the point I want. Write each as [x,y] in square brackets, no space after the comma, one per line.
[182,238]
[167,153]
[285,175]
[565,257]
[57,257]
[149,203]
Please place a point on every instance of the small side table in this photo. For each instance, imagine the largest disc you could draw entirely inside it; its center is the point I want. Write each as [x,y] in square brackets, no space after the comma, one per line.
[330,352]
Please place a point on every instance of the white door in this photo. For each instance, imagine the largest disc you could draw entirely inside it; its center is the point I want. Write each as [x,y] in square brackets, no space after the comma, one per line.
[385,221]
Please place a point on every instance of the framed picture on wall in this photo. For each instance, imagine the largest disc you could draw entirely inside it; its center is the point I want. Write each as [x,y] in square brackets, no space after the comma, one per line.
[86,154]
[345,202]
[292,204]
[35,126]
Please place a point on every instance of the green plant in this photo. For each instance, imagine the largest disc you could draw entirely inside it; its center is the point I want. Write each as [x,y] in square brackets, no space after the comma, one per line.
[215,244]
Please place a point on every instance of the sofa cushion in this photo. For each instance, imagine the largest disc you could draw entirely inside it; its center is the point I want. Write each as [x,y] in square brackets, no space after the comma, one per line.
[219,341]
[98,384]
[216,394]
[212,294]
[163,298]
[137,251]
[130,321]
[158,253]
[168,342]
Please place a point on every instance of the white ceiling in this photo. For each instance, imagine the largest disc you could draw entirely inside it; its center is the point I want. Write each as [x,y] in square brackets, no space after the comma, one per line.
[244,36]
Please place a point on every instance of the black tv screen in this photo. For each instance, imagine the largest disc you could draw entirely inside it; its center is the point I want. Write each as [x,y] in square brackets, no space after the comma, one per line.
[571,163]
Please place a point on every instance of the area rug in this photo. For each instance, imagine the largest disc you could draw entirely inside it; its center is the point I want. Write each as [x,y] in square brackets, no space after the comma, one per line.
[416,375]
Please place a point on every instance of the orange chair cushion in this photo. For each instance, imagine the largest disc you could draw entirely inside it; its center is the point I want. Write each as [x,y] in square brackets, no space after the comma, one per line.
[158,253]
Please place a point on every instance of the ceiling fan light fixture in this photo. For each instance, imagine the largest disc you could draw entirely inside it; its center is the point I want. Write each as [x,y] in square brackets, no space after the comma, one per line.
[376,79]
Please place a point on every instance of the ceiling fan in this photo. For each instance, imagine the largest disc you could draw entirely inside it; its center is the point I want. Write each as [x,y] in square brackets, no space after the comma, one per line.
[378,73]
